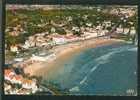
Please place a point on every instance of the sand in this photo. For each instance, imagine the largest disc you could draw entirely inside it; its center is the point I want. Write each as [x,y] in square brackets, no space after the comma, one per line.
[63,53]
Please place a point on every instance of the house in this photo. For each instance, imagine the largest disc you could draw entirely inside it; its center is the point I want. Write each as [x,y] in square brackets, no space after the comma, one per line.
[68,31]
[99,9]
[8,77]
[75,29]
[119,30]
[85,17]
[17,79]
[9,74]
[13,91]
[31,38]
[18,59]
[126,30]
[23,91]
[14,48]
[88,35]
[29,84]
[99,27]
[133,31]
[71,38]
[14,33]
[7,29]
[103,32]
[69,18]
[107,23]
[53,30]
[82,29]
[58,39]
[26,45]
[89,24]
[7,87]
[32,43]
[43,57]
[37,58]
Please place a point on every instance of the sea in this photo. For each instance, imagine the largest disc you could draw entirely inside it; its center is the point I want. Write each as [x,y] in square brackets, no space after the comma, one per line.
[109,70]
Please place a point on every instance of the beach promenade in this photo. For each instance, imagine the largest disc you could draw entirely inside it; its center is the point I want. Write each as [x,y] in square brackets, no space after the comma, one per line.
[64,52]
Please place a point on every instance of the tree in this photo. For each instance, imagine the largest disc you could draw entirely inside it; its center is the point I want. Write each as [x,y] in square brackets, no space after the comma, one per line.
[135,21]
[77,33]
[60,31]
[76,21]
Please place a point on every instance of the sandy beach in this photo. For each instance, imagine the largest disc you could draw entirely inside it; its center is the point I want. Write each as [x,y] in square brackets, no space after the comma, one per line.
[64,52]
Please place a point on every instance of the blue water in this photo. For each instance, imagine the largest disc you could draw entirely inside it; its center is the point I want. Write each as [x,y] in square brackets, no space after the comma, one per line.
[106,70]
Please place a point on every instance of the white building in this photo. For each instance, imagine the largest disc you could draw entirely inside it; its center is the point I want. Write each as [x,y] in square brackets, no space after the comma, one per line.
[18,59]
[7,87]
[26,45]
[133,31]
[99,27]
[126,30]
[17,79]
[89,24]
[30,84]
[69,18]
[14,48]
[88,35]
[37,58]
[59,40]
[107,23]
[71,38]
[8,74]
[53,30]
[42,57]
[8,77]
[119,30]
[75,29]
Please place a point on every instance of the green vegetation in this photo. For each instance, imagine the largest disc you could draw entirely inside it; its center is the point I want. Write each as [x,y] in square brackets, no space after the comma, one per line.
[60,31]
[10,55]
[38,21]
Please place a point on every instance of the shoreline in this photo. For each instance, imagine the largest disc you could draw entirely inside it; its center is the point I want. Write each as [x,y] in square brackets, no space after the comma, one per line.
[64,52]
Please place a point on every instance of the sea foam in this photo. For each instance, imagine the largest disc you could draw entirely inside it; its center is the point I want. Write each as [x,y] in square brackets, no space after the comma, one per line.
[74,89]
[84,79]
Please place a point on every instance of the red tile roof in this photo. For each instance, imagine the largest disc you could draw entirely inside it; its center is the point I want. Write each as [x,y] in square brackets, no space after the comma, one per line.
[8,71]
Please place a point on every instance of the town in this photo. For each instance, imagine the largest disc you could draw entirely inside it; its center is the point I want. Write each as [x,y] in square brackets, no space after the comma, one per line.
[29,32]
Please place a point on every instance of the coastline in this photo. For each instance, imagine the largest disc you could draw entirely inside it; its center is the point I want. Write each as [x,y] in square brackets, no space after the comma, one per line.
[64,52]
